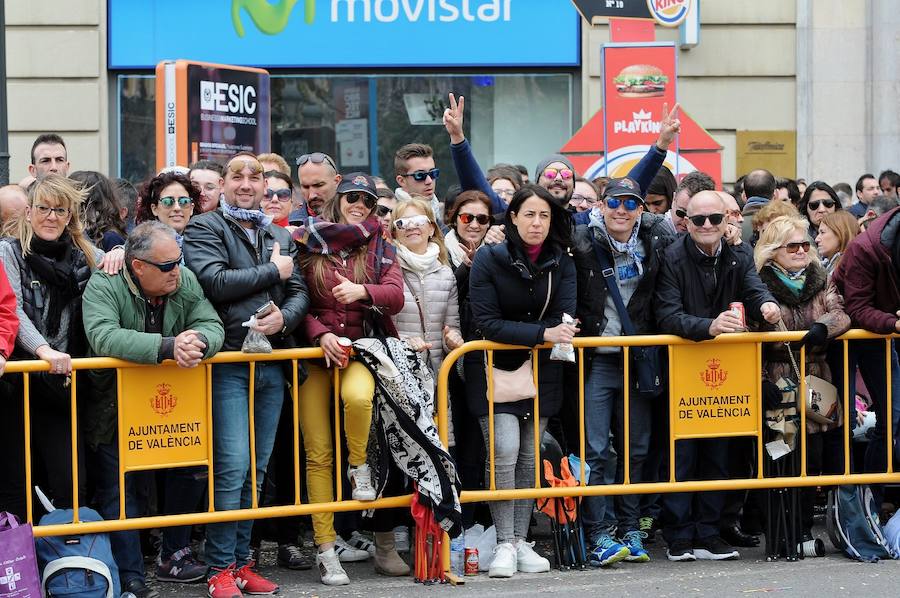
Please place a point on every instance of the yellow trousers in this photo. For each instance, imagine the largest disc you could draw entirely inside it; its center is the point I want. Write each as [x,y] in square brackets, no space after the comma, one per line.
[316,406]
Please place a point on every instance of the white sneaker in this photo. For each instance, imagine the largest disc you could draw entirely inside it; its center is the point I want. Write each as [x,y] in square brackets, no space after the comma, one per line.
[349,554]
[330,569]
[504,563]
[361,482]
[401,538]
[528,560]
[361,542]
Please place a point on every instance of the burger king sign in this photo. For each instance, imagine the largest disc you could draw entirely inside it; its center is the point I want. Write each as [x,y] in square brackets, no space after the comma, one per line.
[669,13]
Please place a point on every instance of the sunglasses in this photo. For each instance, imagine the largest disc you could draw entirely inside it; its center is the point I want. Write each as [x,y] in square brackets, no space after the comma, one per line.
[421,175]
[814,205]
[281,194]
[169,201]
[355,196]
[613,203]
[410,222]
[700,219]
[237,165]
[795,247]
[316,158]
[165,266]
[481,219]
[382,211]
[681,213]
[552,173]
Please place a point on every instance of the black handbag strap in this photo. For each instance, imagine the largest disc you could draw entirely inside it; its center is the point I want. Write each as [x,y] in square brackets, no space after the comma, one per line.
[612,284]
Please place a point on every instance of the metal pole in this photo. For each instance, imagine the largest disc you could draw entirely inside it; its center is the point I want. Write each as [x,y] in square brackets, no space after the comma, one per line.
[4,126]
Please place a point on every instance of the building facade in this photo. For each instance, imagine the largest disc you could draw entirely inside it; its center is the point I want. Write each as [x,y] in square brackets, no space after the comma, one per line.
[824,70]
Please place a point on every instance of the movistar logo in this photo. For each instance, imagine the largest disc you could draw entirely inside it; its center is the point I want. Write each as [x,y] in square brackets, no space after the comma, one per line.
[269,18]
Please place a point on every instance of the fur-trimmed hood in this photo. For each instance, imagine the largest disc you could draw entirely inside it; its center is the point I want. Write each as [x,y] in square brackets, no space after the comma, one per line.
[816,279]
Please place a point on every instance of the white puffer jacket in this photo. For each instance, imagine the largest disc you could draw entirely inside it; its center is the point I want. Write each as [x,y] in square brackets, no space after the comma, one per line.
[436,290]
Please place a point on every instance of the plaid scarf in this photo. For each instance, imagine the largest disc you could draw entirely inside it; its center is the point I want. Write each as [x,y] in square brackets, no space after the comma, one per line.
[332,238]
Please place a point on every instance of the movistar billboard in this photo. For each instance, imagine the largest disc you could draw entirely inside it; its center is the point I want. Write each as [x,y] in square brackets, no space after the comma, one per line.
[345,33]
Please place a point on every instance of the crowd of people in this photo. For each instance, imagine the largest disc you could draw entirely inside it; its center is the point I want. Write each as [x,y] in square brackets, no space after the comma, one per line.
[174,270]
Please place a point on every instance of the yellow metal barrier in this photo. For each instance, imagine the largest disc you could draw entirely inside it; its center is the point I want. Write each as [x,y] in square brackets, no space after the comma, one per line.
[492,494]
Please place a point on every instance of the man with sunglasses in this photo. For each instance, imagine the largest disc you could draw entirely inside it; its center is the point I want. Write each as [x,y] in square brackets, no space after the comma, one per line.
[153,310]
[319,179]
[700,276]
[243,263]
[621,246]
[417,175]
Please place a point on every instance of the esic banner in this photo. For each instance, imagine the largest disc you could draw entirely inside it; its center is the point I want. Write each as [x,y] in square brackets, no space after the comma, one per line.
[209,112]
[638,80]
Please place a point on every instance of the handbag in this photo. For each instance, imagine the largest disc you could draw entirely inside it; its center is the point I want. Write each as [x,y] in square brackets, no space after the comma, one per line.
[518,384]
[645,361]
[18,563]
[821,401]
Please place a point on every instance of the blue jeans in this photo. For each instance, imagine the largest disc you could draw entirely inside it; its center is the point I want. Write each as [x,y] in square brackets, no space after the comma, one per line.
[603,400]
[868,356]
[229,542]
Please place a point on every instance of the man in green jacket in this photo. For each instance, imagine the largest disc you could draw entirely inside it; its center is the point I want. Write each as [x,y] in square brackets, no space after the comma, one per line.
[152,311]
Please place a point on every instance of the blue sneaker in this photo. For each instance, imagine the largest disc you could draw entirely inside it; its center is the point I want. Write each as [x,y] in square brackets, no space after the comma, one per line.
[606,551]
[633,540]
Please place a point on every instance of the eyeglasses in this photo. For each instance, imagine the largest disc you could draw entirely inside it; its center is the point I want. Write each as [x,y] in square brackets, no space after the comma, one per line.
[355,196]
[45,211]
[283,195]
[576,198]
[481,219]
[169,201]
[795,247]
[421,175]
[382,211]
[814,205]
[505,192]
[613,203]
[165,266]
[410,222]
[700,219]
[552,173]
[316,158]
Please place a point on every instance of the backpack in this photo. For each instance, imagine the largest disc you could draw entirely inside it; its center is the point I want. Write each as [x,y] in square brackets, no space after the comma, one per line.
[77,565]
[853,525]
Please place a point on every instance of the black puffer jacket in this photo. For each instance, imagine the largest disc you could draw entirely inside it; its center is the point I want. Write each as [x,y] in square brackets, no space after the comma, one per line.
[693,289]
[238,278]
[506,294]
[656,234]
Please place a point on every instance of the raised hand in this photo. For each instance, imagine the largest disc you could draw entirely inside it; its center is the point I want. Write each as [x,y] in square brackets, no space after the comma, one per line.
[453,119]
[347,291]
[669,126]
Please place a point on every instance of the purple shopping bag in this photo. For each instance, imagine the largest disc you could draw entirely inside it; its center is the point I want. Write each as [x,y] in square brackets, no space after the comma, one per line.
[18,565]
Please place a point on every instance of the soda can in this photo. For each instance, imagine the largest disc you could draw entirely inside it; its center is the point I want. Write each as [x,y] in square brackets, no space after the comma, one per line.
[471,561]
[347,346]
[737,308]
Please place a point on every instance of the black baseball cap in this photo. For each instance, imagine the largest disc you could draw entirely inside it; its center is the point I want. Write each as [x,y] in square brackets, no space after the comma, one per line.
[358,181]
[623,186]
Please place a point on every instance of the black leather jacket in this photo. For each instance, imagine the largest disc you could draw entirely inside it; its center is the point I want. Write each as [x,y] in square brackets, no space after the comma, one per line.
[238,277]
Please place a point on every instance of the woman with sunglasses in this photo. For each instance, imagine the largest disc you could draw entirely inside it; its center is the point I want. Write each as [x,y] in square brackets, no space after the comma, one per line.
[48,260]
[278,200]
[170,198]
[818,200]
[789,267]
[355,286]
[836,231]
[519,290]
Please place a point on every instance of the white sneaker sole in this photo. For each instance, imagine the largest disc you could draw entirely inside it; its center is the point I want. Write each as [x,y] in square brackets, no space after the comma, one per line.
[355,556]
[340,581]
[535,567]
[704,555]
[501,572]
[687,556]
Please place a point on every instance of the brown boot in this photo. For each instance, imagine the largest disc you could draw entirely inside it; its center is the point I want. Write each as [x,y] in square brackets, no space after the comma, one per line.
[387,561]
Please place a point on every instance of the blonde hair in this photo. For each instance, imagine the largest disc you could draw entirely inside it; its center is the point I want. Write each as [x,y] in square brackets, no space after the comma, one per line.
[283,167]
[772,210]
[777,234]
[55,191]
[417,201]
[844,226]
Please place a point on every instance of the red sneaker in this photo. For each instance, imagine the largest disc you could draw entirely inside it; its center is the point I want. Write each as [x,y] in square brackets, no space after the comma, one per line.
[252,582]
[222,584]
